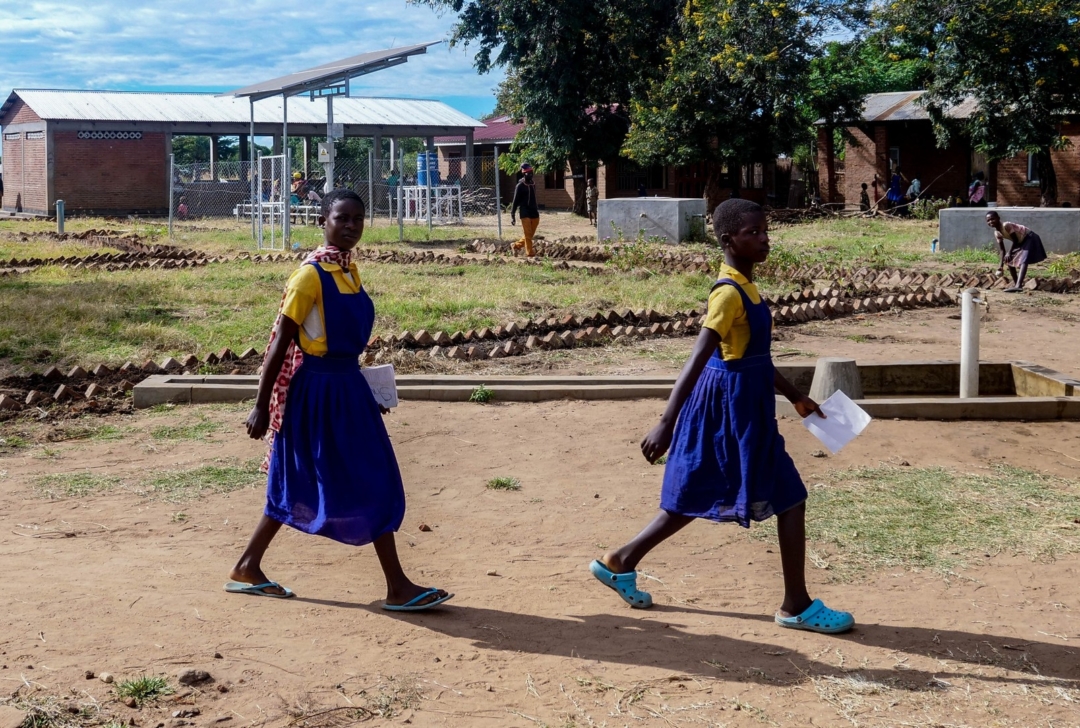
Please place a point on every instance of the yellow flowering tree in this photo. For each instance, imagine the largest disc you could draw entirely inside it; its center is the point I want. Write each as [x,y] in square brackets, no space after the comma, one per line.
[736,84]
[1018,59]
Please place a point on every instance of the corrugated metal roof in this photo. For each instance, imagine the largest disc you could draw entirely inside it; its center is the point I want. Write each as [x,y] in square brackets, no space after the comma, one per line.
[208,108]
[905,106]
[500,129]
[333,73]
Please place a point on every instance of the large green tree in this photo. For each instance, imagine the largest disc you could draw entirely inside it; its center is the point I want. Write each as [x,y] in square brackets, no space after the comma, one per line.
[574,66]
[736,84]
[1018,60]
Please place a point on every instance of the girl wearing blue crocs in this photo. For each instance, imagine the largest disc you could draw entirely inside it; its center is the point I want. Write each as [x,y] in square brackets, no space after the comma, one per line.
[727,459]
[331,468]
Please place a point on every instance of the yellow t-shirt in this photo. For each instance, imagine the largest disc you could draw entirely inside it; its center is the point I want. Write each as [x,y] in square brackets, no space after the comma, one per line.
[727,314]
[303,302]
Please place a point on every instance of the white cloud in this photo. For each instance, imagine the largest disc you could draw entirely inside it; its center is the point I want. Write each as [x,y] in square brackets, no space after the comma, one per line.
[122,44]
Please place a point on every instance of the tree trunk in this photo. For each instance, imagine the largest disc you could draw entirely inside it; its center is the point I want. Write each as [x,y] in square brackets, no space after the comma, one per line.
[1048,188]
[577,172]
[713,190]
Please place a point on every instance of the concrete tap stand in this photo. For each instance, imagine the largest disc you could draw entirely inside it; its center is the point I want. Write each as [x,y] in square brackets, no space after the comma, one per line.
[834,373]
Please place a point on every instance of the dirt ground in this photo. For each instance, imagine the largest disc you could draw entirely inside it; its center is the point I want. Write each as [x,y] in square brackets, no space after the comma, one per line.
[127,584]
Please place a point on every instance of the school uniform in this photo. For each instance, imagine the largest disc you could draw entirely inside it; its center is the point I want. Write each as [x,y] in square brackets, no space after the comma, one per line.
[727,460]
[332,469]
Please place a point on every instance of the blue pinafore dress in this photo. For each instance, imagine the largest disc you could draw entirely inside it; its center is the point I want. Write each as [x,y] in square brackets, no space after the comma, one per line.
[727,460]
[332,470]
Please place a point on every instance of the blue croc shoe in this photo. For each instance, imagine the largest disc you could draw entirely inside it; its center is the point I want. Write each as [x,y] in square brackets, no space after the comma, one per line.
[624,584]
[819,618]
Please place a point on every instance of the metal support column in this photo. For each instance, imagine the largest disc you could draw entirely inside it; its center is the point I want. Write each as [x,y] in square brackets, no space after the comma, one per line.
[400,195]
[286,173]
[172,177]
[498,195]
[329,166]
[252,168]
[371,185]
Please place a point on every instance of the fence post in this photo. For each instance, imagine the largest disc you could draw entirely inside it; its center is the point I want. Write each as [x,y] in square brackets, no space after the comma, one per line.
[259,196]
[172,176]
[59,217]
[400,194]
[286,194]
[427,177]
[498,196]
[371,185]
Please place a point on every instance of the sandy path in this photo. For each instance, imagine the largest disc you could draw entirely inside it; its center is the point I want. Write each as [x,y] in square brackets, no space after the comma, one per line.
[540,643]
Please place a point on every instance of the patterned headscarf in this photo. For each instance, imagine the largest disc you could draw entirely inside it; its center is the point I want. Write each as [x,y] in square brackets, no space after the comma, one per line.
[294,356]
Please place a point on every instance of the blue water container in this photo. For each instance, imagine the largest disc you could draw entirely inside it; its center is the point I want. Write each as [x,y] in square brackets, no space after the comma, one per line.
[427,163]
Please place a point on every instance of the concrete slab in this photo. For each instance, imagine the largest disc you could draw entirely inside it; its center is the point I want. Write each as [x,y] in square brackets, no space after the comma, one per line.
[670,218]
[965,227]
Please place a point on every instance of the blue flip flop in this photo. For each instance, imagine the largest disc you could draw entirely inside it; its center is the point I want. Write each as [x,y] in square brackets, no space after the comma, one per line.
[819,618]
[625,585]
[413,604]
[258,590]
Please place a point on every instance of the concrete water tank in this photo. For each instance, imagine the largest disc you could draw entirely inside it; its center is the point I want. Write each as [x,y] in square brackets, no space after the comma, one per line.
[673,219]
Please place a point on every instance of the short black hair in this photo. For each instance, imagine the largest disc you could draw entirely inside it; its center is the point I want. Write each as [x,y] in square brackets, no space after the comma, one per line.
[729,214]
[994,213]
[864,185]
[340,193]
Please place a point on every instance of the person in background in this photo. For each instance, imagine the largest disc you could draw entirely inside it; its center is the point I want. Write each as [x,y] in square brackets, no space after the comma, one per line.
[182,208]
[592,199]
[864,199]
[895,195]
[641,191]
[525,201]
[977,191]
[1025,248]
[914,190]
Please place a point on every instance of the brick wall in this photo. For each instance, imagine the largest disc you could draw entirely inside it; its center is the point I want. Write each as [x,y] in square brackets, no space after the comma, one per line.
[111,176]
[1012,188]
[20,113]
[25,173]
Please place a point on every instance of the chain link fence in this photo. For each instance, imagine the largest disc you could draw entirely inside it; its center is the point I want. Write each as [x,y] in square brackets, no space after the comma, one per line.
[418,194]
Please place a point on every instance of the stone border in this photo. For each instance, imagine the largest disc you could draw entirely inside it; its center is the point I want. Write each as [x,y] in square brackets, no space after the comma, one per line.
[190,389]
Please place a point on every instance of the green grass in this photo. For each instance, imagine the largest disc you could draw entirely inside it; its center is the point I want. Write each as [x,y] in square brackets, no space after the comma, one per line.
[938,519]
[68,316]
[504,483]
[86,429]
[144,688]
[172,486]
[481,395]
[182,485]
[198,431]
[73,485]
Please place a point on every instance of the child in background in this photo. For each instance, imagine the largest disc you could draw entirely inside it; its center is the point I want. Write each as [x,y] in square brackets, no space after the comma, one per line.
[331,468]
[182,209]
[592,199]
[728,461]
[864,199]
[1025,248]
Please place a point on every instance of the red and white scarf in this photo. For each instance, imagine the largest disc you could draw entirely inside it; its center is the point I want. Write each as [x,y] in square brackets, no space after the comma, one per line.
[294,356]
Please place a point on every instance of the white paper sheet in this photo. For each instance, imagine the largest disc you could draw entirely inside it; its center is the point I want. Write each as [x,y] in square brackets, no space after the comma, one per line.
[843,422]
[382,383]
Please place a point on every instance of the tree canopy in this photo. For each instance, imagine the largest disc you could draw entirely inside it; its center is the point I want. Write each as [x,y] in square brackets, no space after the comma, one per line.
[574,66]
[1018,59]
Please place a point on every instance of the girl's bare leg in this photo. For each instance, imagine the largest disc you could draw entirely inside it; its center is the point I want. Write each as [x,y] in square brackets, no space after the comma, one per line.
[399,588]
[663,527]
[248,569]
[791,529]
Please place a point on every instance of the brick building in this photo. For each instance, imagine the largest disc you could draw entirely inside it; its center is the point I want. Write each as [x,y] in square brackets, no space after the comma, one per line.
[762,182]
[107,152]
[896,130]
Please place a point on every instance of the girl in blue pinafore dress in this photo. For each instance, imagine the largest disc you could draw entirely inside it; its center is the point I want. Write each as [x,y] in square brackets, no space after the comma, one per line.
[727,460]
[331,468]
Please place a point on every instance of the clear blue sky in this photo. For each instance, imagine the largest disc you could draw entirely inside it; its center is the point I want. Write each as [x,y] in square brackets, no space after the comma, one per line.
[149,45]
